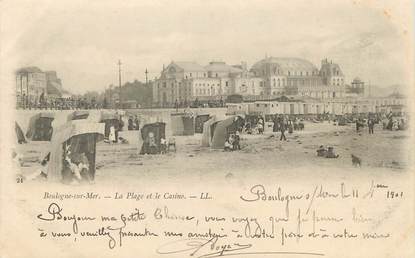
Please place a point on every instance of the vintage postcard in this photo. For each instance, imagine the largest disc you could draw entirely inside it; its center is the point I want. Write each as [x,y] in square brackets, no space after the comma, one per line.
[174,129]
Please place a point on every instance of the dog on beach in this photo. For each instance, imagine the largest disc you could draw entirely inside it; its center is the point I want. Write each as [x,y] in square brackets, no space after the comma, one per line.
[356,161]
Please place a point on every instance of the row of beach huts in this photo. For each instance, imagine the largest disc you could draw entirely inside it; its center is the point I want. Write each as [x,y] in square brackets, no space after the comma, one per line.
[315,107]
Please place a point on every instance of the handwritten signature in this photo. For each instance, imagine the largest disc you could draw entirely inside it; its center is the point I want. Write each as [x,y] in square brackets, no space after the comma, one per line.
[197,246]
[210,248]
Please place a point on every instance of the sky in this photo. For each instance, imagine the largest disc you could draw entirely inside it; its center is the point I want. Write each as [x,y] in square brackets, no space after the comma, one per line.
[83,40]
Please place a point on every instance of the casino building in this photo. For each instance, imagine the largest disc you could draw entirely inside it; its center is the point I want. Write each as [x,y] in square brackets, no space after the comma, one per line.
[299,77]
[271,77]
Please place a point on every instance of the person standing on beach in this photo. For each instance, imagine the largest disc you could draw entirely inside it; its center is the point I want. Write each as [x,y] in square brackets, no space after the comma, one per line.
[282,130]
[136,123]
[112,137]
[371,125]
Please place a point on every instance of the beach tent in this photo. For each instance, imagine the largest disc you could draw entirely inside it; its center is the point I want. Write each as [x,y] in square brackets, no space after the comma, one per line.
[19,133]
[110,119]
[208,129]
[199,121]
[40,127]
[76,141]
[78,115]
[151,135]
[223,129]
[182,124]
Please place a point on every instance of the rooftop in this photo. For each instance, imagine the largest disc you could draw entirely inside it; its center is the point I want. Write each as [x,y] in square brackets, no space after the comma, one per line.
[30,69]
[222,67]
[190,66]
[287,63]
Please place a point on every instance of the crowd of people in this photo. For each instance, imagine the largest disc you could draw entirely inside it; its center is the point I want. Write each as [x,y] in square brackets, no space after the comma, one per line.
[389,122]
[69,103]
[283,123]
[133,124]
[233,142]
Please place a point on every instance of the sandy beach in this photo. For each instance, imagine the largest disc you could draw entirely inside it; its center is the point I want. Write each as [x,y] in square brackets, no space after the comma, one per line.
[382,154]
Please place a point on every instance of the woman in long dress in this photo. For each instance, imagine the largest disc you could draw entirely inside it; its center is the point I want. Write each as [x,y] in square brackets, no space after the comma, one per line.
[111,137]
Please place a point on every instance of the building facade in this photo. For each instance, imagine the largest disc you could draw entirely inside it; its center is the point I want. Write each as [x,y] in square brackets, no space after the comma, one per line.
[183,82]
[299,77]
[34,85]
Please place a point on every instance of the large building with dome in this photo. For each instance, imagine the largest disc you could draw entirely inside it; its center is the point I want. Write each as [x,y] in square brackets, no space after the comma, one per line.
[271,77]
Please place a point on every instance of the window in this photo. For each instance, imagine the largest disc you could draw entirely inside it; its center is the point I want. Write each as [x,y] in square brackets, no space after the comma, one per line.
[226,84]
[257,105]
[204,74]
[216,74]
[289,73]
[190,74]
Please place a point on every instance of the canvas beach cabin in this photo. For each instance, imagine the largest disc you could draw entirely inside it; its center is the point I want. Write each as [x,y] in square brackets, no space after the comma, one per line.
[73,152]
[151,137]
[40,127]
[224,129]
[182,124]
